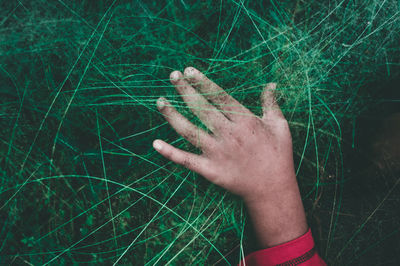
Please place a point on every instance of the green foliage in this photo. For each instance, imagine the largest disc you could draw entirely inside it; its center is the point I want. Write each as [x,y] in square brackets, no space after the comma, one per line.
[80,182]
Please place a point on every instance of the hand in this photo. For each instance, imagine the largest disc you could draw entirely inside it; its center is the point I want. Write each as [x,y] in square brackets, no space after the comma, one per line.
[246,154]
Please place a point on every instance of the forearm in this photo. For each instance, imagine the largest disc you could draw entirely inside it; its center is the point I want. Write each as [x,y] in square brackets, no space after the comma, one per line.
[278,215]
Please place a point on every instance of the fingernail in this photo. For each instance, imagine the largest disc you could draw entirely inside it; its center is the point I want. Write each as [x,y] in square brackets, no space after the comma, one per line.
[189,72]
[174,76]
[161,103]
[157,145]
[271,86]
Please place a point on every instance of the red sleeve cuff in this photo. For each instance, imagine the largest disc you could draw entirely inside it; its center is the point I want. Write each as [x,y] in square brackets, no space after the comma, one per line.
[300,251]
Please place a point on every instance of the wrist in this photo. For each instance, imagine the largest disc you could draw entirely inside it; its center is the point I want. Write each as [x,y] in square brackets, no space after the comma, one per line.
[278,215]
[278,188]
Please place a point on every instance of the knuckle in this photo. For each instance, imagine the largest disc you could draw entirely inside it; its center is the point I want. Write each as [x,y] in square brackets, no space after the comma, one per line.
[222,97]
[252,123]
[187,162]
[282,121]
[281,124]
[189,135]
[237,137]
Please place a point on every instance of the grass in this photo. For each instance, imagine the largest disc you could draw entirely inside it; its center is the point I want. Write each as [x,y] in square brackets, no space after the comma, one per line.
[80,182]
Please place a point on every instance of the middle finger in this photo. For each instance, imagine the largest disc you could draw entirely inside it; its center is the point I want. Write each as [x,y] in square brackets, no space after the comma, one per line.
[208,113]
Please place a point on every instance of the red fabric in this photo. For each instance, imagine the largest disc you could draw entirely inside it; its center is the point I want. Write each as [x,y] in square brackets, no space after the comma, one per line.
[300,251]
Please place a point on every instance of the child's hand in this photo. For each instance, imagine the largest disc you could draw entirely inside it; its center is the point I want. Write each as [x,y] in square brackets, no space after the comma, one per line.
[246,154]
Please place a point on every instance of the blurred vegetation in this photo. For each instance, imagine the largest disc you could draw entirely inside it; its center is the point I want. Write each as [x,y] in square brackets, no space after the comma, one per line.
[80,181]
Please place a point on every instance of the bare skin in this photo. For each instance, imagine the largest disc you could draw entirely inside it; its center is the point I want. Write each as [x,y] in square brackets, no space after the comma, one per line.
[248,155]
